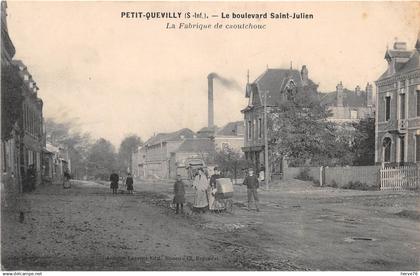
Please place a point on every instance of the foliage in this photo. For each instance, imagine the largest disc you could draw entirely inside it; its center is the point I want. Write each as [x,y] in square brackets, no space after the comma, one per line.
[364,142]
[301,131]
[357,185]
[229,161]
[11,99]
[128,145]
[101,160]
[77,144]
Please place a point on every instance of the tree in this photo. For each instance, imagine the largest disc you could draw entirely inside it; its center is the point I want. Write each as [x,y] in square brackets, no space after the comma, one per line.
[125,154]
[231,162]
[11,99]
[101,160]
[300,130]
[77,144]
[364,142]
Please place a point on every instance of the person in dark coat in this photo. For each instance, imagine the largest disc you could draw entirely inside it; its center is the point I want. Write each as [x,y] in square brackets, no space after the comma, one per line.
[252,184]
[114,178]
[129,183]
[31,176]
[179,194]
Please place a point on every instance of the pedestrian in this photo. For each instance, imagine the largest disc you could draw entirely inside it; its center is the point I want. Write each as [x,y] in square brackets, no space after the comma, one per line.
[251,181]
[200,185]
[114,178]
[129,183]
[66,180]
[211,191]
[31,177]
[179,194]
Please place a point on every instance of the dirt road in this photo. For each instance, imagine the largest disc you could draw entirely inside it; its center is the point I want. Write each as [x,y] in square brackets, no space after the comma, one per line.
[86,228]
[300,227]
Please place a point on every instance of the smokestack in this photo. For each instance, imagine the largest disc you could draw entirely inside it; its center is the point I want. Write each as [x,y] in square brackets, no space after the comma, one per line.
[210,101]
[339,91]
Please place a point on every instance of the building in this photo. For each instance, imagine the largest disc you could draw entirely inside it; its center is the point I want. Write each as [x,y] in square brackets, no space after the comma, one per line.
[155,154]
[276,85]
[22,121]
[349,106]
[10,103]
[231,135]
[31,126]
[56,161]
[398,106]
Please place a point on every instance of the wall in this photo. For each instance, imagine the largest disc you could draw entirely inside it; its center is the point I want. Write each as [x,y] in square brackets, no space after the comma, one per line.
[338,175]
[293,172]
[343,175]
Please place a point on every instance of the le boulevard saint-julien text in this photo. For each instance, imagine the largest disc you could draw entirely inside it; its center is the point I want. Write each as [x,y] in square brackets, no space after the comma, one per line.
[223,15]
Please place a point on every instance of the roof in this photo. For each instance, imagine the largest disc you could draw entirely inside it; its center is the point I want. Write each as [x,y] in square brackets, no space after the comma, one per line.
[172,136]
[350,98]
[275,80]
[197,145]
[232,129]
[412,61]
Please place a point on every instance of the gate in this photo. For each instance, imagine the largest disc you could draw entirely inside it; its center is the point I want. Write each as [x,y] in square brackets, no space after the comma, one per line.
[400,178]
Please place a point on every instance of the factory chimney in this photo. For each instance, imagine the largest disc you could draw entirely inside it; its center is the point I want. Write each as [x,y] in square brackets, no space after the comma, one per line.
[210,101]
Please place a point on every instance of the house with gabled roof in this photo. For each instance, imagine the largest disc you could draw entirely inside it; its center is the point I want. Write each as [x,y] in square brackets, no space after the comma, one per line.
[277,85]
[156,153]
[397,135]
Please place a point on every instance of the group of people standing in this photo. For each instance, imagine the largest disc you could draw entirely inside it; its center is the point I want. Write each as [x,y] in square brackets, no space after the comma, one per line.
[205,191]
[114,178]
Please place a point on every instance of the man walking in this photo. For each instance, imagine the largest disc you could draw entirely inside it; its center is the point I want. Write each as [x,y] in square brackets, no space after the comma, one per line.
[251,181]
[114,178]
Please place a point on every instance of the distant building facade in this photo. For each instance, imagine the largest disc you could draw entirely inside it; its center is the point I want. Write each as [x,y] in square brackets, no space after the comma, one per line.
[277,83]
[398,106]
[153,158]
[349,106]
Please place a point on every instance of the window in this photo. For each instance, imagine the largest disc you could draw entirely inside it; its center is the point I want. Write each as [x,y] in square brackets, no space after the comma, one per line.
[418,103]
[402,106]
[387,149]
[259,128]
[417,148]
[249,130]
[387,108]
[402,149]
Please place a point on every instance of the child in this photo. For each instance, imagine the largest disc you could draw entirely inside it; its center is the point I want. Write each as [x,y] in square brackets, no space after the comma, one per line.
[129,183]
[179,194]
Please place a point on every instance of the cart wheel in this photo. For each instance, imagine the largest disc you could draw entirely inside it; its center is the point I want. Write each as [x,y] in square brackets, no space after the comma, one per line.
[229,205]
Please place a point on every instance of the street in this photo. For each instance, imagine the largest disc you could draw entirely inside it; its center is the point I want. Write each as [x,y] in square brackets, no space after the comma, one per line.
[300,227]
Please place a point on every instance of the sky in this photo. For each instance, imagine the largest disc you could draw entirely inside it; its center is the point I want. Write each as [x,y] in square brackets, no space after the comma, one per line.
[112,76]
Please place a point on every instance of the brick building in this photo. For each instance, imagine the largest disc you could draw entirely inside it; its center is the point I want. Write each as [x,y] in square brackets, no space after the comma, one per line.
[277,83]
[398,106]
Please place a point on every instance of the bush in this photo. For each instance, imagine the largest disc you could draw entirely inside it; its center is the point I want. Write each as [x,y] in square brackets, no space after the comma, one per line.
[333,184]
[304,175]
[357,185]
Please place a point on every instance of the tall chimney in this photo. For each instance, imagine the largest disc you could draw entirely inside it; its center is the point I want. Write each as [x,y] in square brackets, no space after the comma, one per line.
[210,101]
[339,91]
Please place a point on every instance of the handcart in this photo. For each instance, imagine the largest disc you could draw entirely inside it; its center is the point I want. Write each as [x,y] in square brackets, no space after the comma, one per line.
[223,196]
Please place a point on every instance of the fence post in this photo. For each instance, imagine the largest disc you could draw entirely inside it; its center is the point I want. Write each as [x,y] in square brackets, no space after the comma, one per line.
[321,176]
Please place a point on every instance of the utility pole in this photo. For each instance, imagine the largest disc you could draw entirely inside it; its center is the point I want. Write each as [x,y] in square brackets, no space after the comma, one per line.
[267,170]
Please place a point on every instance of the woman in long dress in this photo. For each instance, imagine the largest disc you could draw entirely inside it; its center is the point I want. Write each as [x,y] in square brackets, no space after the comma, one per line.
[200,184]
